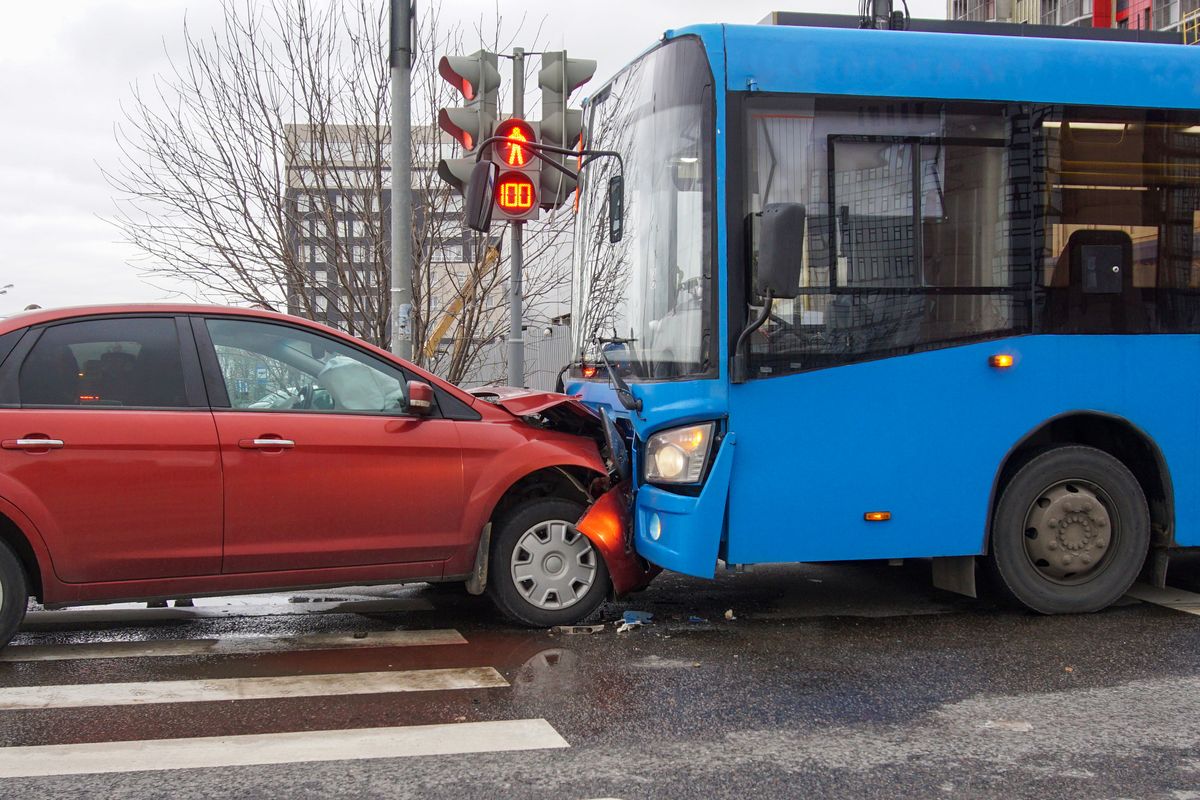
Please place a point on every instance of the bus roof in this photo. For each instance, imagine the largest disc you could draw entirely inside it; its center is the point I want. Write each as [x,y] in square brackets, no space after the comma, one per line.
[919,64]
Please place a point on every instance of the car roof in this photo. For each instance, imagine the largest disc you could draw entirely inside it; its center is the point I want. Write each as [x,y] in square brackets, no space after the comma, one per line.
[44,315]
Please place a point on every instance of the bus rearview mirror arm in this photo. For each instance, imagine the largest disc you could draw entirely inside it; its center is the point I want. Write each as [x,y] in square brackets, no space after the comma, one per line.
[739,356]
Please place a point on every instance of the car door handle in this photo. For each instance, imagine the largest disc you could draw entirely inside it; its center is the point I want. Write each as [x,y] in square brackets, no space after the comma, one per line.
[266,444]
[32,444]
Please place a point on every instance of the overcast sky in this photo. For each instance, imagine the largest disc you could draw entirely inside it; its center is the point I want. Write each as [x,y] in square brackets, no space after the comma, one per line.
[66,66]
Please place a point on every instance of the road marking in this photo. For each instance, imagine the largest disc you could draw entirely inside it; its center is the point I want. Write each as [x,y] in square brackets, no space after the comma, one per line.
[1187,602]
[212,689]
[229,646]
[77,617]
[279,748]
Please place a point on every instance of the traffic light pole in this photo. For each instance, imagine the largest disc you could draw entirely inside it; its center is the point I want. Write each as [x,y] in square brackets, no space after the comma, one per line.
[401,133]
[516,336]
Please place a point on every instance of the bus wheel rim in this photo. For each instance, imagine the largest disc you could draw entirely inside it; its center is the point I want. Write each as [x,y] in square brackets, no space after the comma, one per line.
[1070,531]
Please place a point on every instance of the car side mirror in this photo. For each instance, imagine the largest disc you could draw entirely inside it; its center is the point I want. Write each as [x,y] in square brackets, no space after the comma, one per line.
[420,398]
[481,190]
[780,249]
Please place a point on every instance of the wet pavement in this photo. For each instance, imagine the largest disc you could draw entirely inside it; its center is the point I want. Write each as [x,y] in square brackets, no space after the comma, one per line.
[829,681]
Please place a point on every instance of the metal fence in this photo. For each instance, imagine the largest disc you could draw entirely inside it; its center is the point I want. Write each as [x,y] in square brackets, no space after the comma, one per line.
[547,351]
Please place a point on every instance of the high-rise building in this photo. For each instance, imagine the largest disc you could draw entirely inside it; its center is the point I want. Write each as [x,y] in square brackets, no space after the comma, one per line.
[338,222]
[338,193]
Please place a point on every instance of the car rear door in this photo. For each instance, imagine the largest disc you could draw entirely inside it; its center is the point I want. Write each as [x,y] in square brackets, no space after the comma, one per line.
[107,444]
[323,465]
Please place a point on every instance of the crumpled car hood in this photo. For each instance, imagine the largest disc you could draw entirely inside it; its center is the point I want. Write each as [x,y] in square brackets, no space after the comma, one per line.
[560,410]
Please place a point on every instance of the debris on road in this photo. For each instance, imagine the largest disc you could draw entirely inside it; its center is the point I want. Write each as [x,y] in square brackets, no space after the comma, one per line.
[574,629]
[729,615]
[1013,725]
[694,618]
[634,619]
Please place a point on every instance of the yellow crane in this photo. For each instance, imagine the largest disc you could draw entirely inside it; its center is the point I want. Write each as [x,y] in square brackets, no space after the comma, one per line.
[490,256]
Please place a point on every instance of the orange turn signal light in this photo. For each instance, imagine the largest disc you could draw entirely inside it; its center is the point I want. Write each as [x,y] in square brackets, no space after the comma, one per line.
[1001,361]
[877,516]
[588,371]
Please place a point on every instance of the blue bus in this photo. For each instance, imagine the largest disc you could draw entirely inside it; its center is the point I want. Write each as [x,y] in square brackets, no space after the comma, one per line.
[889,294]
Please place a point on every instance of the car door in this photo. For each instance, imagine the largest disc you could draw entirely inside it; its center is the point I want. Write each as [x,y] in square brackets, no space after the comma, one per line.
[111,450]
[323,465]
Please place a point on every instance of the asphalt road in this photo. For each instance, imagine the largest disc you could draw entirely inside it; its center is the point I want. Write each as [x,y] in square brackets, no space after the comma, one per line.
[829,681]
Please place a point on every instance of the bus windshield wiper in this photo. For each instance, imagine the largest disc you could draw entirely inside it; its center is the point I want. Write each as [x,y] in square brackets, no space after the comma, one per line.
[624,393]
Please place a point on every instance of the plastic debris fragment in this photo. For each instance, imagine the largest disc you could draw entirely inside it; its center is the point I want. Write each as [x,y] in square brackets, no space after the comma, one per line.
[574,629]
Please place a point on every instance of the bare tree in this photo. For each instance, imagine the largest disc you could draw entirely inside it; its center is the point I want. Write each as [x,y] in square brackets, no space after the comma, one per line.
[265,149]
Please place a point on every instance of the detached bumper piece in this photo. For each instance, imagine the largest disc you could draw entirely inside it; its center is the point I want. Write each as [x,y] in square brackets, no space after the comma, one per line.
[608,524]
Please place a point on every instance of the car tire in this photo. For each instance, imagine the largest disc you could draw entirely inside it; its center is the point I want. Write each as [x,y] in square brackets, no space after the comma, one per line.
[542,571]
[14,594]
[1070,533]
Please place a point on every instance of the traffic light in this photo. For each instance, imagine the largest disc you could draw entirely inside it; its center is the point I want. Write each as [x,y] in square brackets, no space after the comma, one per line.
[517,185]
[478,80]
[560,126]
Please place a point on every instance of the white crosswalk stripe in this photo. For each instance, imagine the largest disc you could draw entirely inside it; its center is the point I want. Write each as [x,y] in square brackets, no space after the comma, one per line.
[279,748]
[207,690]
[230,646]
[285,747]
[82,617]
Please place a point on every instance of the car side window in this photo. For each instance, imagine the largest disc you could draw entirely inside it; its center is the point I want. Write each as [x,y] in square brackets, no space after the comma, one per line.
[106,363]
[270,367]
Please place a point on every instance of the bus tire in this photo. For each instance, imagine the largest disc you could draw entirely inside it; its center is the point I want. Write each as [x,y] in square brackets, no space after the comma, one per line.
[14,594]
[543,572]
[1070,533]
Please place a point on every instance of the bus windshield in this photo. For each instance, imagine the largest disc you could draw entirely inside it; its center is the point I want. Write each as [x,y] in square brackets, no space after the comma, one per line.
[651,291]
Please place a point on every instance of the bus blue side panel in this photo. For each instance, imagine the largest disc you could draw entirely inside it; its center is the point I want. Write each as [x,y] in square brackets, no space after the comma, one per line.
[922,436]
[776,58]
[690,528]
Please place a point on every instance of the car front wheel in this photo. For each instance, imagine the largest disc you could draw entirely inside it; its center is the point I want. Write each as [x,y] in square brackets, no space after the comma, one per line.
[544,572]
[14,594]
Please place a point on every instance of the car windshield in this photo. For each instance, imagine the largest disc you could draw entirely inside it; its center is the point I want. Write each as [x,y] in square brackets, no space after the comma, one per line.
[651,291]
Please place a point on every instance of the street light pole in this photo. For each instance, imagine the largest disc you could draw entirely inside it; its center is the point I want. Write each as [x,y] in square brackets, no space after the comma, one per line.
[401,137]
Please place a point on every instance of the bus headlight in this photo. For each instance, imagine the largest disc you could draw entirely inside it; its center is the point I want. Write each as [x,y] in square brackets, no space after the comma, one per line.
[679,455]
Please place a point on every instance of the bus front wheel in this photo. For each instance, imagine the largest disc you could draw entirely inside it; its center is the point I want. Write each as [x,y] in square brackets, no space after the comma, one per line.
[1070,532]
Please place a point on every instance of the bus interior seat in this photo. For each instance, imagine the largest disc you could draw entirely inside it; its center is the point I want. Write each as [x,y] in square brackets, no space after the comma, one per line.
[1098,294]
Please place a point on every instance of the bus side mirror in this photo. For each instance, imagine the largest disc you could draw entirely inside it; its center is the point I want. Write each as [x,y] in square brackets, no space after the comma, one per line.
[616,208]
[780,245]
[481,190]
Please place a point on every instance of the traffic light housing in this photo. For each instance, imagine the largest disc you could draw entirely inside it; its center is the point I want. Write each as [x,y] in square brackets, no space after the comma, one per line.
[518,182]
[478,80]
[560,126]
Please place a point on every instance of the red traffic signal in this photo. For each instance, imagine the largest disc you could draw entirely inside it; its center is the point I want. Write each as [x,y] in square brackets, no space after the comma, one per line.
[512,153]
[516,196]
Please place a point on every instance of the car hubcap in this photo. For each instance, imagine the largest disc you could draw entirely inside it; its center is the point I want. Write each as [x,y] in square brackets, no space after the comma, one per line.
[553,565]
[1069,531]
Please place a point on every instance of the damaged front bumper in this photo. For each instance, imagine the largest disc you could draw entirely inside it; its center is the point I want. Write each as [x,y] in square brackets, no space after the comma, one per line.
[608,524]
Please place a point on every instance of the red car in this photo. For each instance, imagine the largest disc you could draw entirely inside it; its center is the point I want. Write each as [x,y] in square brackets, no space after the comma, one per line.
[151,452]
